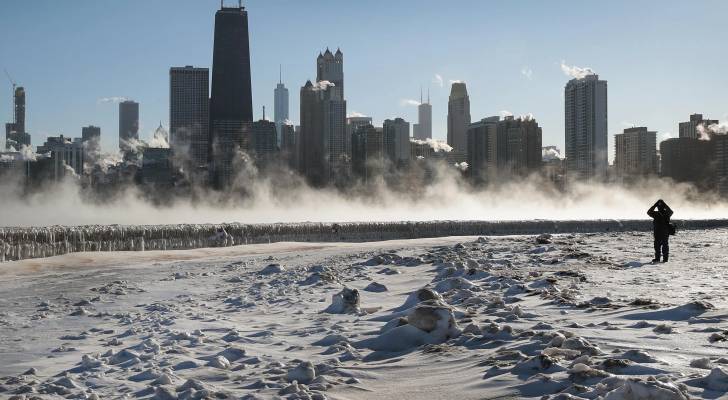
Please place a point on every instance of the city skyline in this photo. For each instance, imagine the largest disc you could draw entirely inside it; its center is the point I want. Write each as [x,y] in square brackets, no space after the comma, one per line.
[525,81]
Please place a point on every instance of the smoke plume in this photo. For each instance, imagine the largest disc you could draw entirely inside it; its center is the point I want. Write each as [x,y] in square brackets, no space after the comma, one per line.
[576,72]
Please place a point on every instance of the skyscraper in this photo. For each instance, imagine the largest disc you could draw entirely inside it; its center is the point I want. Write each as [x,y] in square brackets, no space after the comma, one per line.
[686,159]
[264,140]
[64,153]
[189,114]
[15,134]
[397,140]
[323,150]
[586,128]
[458,117]
[91,139]
[352,123]
[423,128]
[508,147]
[330,67]
[720,142]
[367,153]
[481,151]
[280,107]
[128,124]
[314,143]
[692,128]
[231,101]
[635,153]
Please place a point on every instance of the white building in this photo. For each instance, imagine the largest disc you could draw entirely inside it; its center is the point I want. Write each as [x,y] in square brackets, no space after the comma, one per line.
[585,101]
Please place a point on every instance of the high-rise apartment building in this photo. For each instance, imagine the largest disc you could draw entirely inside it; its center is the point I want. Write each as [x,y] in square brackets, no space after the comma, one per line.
[367,153]
[586,128]
[265,142]
[692,128]
[352,123]
[396,136]
[65,155]
[635,153]
[688,160]
[503,148]
[458,117]
[189,115]
[720,144]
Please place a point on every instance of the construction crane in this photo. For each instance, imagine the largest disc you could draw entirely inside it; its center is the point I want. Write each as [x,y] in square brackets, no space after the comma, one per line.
[14,86]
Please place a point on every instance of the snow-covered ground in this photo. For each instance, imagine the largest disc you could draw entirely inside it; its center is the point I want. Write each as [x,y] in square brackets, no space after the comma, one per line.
[570,316]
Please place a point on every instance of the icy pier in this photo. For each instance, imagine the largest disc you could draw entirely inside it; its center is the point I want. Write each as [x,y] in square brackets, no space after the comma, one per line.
[37,242]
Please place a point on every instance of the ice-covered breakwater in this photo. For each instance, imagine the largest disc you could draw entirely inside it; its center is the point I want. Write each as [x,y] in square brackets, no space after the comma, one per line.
[36,242]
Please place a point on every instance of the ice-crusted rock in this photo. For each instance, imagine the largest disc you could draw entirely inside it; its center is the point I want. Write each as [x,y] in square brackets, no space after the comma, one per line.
[271,269]
[67,383]
[123,356]
[164,393]
[543,238]
[427,323]
[582,345]
[304,373]
[375,287]
[345,302]
[430,317]
[232,353]
[702,363]
[452,283]
[639,389]
[639,356]
[664,329]
[420,295]
[219,362]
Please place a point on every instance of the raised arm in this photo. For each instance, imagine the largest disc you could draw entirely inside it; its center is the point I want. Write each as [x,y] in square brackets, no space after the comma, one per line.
[668,210]
[651,212]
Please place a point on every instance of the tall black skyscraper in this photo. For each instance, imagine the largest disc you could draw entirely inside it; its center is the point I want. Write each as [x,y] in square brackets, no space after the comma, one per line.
[128,124]
[231,101]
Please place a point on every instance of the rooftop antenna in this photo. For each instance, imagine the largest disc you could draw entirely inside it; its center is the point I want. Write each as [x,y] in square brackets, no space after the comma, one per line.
[263,113]
[428,95]
[280,73]
[420,94]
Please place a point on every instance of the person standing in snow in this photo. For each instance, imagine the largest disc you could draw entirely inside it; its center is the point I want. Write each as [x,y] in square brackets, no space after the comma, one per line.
[661,213]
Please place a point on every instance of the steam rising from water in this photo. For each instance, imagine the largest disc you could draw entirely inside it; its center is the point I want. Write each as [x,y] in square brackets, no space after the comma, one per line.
[270,200]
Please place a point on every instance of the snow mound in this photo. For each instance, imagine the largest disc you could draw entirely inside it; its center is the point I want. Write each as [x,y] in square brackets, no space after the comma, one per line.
[717,380]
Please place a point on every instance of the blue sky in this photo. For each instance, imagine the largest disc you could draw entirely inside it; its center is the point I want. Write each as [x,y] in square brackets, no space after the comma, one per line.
[663,59]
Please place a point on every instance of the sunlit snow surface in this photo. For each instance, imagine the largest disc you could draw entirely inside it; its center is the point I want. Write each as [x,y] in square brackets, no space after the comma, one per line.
[519,316]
